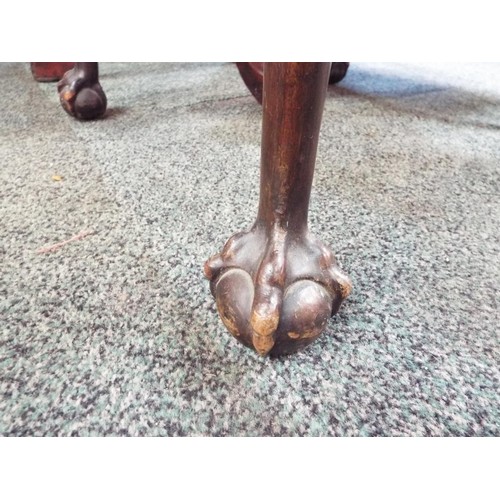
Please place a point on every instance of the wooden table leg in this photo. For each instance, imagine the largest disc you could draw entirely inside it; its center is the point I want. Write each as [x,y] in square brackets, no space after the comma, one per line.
[276,285]
[80,92]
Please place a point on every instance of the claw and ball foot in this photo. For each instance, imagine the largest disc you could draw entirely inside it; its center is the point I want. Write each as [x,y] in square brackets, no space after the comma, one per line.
[276,289]
[276,285]
[80,92]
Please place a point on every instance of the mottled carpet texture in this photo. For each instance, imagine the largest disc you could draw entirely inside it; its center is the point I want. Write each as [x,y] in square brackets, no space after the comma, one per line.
[117,333]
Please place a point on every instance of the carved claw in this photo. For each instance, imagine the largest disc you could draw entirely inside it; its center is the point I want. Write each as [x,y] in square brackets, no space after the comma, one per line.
[275,291]
[81,95]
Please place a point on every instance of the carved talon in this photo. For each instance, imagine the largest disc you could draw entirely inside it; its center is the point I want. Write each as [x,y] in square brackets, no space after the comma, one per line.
[80,92]
[275,291]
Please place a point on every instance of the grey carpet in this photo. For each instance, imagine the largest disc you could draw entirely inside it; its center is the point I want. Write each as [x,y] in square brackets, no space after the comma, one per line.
[117,334]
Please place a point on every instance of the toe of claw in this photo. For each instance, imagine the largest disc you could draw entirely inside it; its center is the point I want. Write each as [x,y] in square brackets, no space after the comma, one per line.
[264,325]
[342,283]
[253,326]
[213,266]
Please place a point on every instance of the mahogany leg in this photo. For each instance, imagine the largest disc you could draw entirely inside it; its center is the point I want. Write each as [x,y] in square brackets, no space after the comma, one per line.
[81,93]
[276,285]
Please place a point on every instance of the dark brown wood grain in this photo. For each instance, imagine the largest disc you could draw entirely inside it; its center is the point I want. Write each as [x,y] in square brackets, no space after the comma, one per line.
[276,285]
